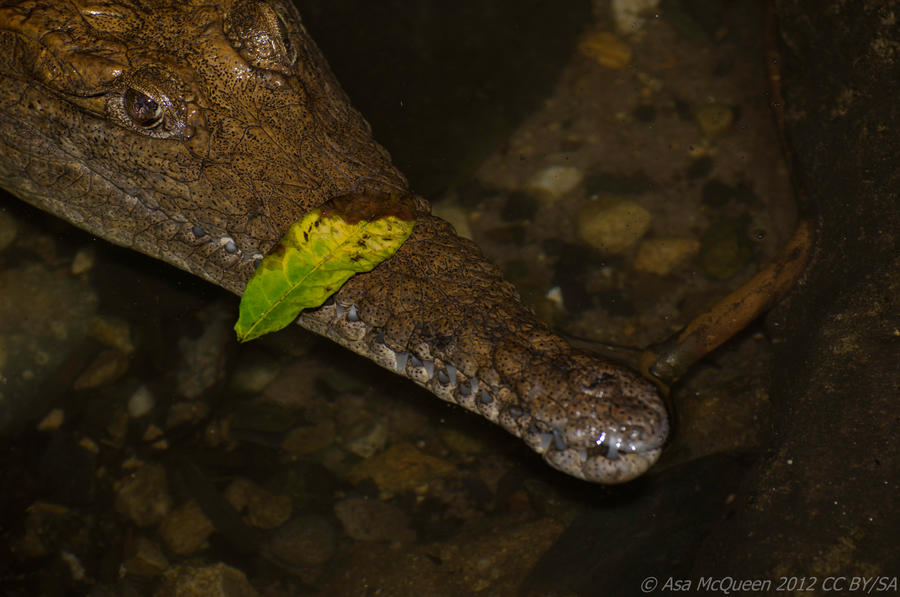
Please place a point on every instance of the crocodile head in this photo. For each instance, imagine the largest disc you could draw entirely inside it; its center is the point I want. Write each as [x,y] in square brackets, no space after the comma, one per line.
[197,132]
[190,131]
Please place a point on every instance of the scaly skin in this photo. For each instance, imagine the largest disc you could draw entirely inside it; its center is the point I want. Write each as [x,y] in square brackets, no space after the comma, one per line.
[197,131]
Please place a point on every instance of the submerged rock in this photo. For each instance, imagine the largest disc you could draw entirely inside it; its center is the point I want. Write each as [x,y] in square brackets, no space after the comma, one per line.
[146,559]
[555,181]
[186,529]
[661,255]
[605,49]
[264,510]
[373,520]
[144,496]
[613,225]
[218,580]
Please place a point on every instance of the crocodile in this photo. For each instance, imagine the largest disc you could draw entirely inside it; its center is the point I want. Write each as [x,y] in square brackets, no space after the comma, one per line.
[198,131]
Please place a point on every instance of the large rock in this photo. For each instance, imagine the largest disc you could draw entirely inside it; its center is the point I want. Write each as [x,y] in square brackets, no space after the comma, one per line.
[825,503]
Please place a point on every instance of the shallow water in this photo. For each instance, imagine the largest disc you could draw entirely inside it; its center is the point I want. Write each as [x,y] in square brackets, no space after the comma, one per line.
[315,472]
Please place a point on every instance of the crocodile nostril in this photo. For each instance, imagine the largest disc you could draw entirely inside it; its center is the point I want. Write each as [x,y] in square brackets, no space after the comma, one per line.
[284,36]
[260,33]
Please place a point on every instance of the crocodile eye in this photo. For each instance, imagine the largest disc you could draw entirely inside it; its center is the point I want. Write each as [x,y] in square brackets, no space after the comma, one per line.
[143,109]
[151,101]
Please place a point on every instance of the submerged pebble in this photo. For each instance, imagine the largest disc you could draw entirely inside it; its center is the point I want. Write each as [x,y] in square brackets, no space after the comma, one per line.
[605,49]
[612,225]
[201,365]
[140,403]
[83,261]
[555,181]
[262,509]
[373,520]
[304,545]
[399,469]
[144,496]
[186,412]
[661,255]
[253,378]
[113,332]
[714,119]
[186,529]
[53,420]
[106,367]
[217,580]
[308,439]
[147,559]
[630,15]
[367,438]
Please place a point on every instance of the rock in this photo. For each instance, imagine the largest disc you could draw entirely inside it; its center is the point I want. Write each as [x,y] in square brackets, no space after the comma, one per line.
[661,255]
[53,420]
[112,332]
[605,49]
[83,261]
[368,438]
[824,492]
[202,358]
[217,580]
[554,182]
[263,510]
[253,378]
[373,520]
[143,497]
[186,529]
[714,119]
[463,442]
[88,445]
[630,15]
[309,438]
[612,225]
[152,433]
[304,545]
[399,469]
[146,559]
[106,367]
[73,563]
[295,387]
[182,413]
[140,403]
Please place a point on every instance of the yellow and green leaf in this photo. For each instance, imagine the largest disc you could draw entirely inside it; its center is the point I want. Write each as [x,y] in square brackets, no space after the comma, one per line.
[348,235]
